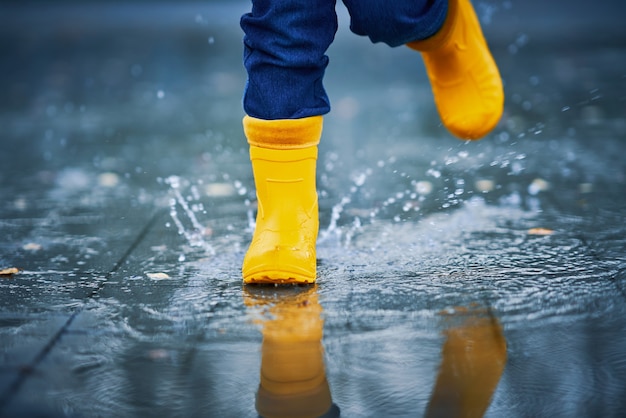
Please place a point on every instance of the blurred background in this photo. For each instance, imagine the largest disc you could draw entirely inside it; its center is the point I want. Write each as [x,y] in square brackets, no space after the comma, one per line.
[145,87]
[127,201]
[150,89]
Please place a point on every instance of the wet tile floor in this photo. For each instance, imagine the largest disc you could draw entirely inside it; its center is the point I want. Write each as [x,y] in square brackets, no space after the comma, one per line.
[455,279]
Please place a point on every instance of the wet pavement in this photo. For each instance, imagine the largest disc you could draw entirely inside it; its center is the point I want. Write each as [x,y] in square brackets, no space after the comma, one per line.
[454,278]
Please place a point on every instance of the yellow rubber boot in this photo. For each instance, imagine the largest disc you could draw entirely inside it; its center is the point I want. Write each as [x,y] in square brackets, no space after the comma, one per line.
[464,77]
[284,158]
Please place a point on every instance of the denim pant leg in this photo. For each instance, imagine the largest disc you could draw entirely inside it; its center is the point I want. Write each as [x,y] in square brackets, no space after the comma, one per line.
[285,42]
[396,22]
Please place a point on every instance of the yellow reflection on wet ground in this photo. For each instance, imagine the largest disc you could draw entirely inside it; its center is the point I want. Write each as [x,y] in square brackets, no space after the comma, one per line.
[293,375]
[473,357]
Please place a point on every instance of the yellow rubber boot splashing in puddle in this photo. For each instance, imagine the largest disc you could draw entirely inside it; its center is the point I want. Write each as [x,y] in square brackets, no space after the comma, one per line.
[284,157]
[464,77]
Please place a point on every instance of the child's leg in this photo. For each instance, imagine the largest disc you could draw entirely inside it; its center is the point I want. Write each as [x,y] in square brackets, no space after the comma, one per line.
[465,80]
[284,53]
[285,42]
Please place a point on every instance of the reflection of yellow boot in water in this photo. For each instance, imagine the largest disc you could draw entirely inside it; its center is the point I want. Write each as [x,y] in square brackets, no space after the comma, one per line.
[473,359]
[465,80]
[284,157]
[293,376]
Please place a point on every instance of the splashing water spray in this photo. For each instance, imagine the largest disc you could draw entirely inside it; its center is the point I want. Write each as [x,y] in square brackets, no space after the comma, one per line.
[195,236]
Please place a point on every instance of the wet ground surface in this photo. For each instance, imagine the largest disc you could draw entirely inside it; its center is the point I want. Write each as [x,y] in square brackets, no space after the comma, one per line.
[453,276]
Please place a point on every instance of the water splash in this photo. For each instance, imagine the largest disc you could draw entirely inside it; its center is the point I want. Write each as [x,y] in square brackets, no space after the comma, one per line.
[250,216]
[333,229]
[196,235]
[395,189]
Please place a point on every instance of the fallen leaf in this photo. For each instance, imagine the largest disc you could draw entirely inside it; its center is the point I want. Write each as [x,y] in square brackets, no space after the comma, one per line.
[158,276]
[32,246]
[9,272]
[540,231]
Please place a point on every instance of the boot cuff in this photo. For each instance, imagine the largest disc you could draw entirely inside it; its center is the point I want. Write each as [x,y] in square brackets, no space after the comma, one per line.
[283,133]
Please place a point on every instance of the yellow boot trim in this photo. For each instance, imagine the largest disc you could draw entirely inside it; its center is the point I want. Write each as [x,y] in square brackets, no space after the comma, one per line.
[283,244]
[283,133]
[464,77]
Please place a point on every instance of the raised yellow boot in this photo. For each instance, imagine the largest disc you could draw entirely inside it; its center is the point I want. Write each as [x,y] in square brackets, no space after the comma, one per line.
[464,77]
[284,157]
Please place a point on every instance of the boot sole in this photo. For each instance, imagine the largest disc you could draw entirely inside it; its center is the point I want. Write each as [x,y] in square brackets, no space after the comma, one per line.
[278,277]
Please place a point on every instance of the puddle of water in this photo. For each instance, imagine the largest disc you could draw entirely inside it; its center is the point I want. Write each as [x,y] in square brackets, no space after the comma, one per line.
[383,283]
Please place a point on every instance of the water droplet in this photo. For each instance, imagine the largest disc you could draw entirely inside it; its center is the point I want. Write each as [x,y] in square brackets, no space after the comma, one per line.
[517,167]
[423,187]
[433,173]
[360,179]
[219,189]
[173,182]
[108,179]
[538,185]
[136,70]
[585,187]
[522,39]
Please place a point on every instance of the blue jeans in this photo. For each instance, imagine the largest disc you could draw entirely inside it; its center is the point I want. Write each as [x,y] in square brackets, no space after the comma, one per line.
[285,43]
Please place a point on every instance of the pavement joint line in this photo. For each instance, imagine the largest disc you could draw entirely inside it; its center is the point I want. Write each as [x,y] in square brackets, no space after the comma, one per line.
[28,370]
